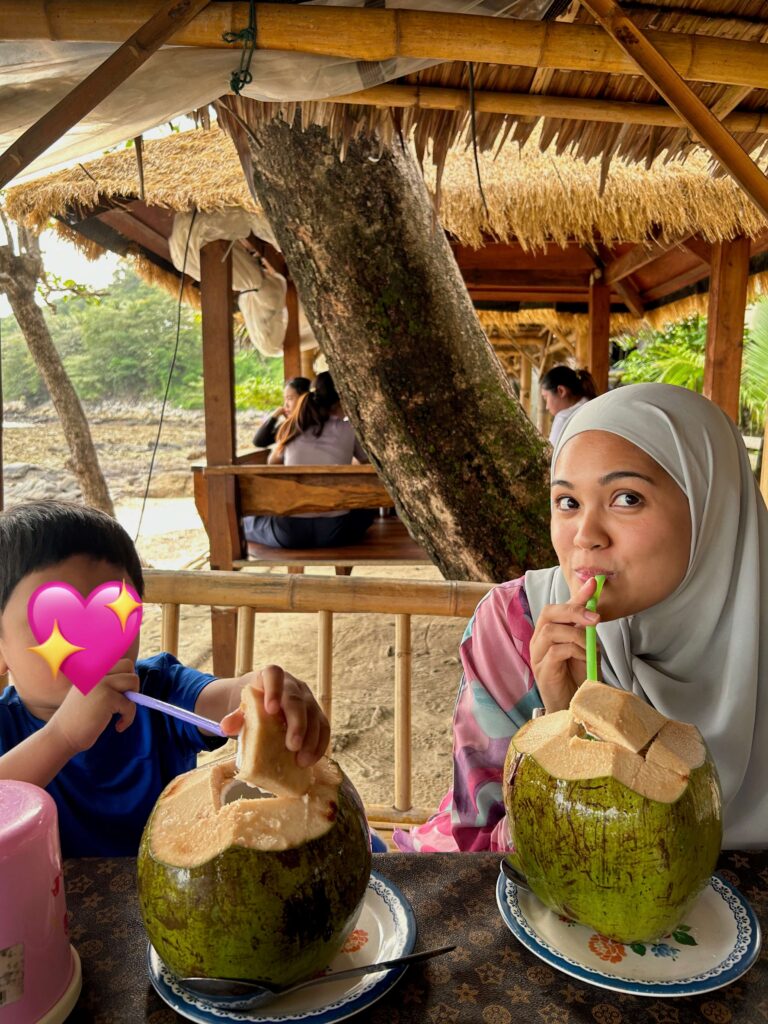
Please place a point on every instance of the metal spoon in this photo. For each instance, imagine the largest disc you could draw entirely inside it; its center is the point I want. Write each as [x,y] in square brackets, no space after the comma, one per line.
[235,994]
[514,875]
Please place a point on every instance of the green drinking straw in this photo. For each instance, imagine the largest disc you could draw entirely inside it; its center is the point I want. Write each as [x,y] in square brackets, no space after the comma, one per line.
[592,632]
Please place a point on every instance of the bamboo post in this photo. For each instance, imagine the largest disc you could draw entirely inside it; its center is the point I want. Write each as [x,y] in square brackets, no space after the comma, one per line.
[403,768]
[679,95]
[764,466]
[599,330]
[87,95]
[169,629]
[725,323]
[246,620]
[325,663]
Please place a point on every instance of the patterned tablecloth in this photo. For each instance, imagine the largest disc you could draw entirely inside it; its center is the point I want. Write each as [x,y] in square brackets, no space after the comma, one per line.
[489,979]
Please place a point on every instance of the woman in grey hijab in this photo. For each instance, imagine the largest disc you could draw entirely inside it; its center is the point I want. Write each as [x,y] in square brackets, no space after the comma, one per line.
[651,487]
[684,617]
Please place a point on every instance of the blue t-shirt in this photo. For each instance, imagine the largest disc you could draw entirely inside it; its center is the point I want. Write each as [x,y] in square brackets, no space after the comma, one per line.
[105,795]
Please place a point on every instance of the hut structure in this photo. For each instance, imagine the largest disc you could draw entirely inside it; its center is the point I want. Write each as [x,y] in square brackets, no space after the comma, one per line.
[529,245]
[598,80]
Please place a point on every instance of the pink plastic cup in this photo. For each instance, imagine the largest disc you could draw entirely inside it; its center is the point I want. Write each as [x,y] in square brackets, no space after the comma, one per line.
[39,971]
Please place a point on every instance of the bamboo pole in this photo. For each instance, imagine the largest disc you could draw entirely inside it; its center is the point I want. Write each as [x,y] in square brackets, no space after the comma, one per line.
[246,621]
[725,323]
[571,108]
[312,593]
[764,467]
[378,35]
[599,330]
[159,26]
[403,752]
[169,629]
[702,122]
[325,663]
[525,384]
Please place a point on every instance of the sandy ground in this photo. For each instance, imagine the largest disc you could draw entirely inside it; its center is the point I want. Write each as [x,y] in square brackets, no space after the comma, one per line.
[172,537]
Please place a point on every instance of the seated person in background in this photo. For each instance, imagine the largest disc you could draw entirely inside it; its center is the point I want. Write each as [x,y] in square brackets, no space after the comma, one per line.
[294,388]
[651,487]
[565,390]
[315,434]
[102,758]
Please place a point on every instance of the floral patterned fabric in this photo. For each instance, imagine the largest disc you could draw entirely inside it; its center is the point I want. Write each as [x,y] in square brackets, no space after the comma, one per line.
[497,695]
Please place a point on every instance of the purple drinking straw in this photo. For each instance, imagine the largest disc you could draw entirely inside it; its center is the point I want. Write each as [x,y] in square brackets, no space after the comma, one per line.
[176,712]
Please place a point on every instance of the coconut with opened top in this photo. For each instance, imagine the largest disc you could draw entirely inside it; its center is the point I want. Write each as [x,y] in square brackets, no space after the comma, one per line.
[614,813]
[261,883]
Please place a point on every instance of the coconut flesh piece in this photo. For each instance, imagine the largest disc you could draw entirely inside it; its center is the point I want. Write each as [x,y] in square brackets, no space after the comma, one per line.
[611,732]
[204,813]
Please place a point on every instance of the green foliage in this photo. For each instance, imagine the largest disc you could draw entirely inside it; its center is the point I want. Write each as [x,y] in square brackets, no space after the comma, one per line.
[676,355]
[122,346]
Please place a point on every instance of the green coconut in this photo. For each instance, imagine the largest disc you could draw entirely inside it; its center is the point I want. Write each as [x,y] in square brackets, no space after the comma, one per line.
[255,883]
[614,812]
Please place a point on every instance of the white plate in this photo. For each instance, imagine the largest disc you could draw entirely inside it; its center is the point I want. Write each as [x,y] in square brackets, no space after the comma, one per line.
[717,943]
[385,929]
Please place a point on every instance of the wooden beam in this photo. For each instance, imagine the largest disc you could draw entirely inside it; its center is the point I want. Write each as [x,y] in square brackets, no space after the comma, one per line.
[220,441]
[379,35]
[702,122]
[573,108]
[634,259]
[599,330]
[699,247]
[601,256]
[525,385]
[725,323]
[161,24]
[137,231]
[291,343]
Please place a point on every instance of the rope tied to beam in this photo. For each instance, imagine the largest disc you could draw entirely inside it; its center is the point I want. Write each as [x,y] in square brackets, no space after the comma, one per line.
[247,36]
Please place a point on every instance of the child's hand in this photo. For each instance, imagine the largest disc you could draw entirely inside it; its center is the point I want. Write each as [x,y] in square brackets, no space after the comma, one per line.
[308,730]
[82,718]
[559,648]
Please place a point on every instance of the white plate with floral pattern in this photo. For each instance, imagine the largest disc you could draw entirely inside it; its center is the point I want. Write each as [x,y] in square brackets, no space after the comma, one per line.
[386,928]
[717,943]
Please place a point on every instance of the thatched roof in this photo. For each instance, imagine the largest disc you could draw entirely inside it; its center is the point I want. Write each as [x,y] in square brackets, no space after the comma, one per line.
[532,197]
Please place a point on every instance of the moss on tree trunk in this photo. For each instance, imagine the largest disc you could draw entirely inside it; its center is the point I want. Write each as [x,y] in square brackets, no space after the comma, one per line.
[418,378]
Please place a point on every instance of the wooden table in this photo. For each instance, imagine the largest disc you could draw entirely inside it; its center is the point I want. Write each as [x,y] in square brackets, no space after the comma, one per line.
[489,979]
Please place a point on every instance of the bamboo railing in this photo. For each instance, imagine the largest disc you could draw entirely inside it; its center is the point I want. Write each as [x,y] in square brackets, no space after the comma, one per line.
[323,596]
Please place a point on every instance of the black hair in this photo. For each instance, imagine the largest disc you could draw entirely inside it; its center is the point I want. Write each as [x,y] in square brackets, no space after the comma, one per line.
[580,383]
[300,385]
[38,534]
[312,412]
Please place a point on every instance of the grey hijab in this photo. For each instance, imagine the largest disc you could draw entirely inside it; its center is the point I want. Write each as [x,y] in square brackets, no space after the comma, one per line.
[697,656]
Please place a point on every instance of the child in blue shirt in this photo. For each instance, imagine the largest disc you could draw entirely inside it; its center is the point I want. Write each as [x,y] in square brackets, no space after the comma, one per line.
[103,759]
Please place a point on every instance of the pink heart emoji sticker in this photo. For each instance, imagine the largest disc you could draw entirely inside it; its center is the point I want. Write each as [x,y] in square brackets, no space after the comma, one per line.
[84,638]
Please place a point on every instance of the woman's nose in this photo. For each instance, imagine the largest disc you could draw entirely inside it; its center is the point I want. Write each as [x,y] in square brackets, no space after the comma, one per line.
[591,533]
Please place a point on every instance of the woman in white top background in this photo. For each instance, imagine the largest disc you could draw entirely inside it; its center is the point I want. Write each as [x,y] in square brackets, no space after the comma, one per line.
[564,391]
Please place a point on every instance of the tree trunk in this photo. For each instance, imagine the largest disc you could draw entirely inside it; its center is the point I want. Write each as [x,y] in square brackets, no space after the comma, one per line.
[19,275]
[418,378]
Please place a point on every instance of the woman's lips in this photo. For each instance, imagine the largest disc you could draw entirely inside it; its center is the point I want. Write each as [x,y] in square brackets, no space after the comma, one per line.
[588,574]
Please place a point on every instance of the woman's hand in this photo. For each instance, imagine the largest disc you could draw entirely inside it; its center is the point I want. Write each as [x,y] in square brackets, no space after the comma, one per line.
[558,648]
[308,731]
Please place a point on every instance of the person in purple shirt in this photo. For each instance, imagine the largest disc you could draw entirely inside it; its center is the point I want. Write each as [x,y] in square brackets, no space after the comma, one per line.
[102,758]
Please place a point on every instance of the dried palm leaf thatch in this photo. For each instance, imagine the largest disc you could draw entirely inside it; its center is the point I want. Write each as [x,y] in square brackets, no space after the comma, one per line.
[197,169]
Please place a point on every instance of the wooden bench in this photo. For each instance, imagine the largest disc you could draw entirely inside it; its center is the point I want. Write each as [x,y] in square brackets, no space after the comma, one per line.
[257,489]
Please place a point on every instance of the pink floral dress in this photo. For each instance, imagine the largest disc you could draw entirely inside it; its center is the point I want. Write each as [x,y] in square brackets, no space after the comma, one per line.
[497,695]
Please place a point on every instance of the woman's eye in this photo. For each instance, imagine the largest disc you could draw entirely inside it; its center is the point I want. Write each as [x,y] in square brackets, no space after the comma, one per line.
[627,500]
[565,503]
